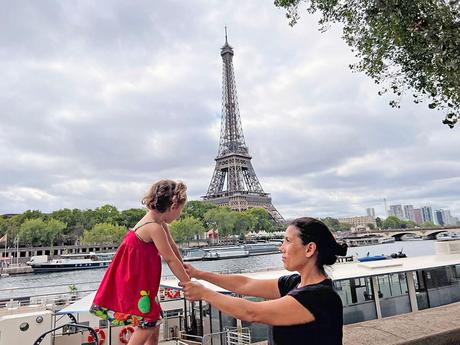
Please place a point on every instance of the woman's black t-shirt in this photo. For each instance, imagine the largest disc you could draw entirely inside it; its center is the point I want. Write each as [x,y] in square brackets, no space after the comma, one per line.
[325,305]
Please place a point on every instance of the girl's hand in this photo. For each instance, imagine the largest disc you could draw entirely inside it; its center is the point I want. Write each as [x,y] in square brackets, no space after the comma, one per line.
[194,291]
[191,271]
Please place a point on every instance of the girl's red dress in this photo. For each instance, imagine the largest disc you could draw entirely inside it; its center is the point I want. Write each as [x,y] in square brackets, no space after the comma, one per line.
[128,292]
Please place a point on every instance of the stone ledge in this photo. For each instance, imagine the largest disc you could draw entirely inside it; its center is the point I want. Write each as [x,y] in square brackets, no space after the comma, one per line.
[435,326]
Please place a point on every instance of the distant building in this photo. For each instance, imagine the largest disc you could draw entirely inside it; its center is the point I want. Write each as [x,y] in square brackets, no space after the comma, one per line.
[396,210]
[427,214]
[409,212]
[418,219]
[358,222]
[438,217]
[447,218]
[370,212]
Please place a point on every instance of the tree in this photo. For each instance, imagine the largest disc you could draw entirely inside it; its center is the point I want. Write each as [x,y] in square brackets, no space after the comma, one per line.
[392,222]
[54,228]
[184,229]
[408,46]
[106,214]
[33,232]
[130,217]
[245,222]
[37,232]
[379,222]
[264,222]
[370,226]
[221,219]
[197,209]
[104,233]
[334,225]
[429,224]
[409,224]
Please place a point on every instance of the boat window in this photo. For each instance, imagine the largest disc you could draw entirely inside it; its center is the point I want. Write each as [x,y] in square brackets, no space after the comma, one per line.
[391,285]
[442,276]
[354,291]
[24,326]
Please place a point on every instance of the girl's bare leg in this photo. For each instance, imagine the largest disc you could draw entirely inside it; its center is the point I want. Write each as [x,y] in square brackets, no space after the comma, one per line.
[140,336]
[153,339]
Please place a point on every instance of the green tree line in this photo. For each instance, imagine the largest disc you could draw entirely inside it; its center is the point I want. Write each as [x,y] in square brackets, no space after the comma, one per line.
[106,224]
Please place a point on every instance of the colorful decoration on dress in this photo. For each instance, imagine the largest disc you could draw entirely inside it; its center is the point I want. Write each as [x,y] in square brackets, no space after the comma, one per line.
[144,302]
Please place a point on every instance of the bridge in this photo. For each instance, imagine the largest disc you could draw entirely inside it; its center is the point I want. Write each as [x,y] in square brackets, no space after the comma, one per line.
[430,233]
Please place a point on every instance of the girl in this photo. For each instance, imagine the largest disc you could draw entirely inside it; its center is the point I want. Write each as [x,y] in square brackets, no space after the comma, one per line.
[128,292]
[303,306]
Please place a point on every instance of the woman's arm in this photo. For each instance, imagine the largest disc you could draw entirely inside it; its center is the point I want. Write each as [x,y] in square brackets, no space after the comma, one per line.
[283,311]
[160,238]
[266,288]
[172,243]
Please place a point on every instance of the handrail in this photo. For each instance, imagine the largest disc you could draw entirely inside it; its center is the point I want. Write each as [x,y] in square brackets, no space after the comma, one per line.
[76,325]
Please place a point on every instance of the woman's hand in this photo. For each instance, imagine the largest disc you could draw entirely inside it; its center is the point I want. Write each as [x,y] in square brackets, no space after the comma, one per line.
[191,271]
[194,291]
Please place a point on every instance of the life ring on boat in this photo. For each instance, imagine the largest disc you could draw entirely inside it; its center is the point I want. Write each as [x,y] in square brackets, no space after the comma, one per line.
[125,334]
[100,334]
[172,293]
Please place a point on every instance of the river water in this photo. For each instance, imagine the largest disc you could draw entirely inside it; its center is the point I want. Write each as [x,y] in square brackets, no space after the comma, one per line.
[52,283]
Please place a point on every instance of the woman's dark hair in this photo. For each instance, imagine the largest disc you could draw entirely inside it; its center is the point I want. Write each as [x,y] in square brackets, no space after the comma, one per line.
[314,230]
[163,194]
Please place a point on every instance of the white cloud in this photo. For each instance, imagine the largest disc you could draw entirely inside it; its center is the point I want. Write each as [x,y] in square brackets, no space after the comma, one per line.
[98,99]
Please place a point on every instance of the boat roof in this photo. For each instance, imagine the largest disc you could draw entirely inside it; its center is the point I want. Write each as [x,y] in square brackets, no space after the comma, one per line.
[349,270]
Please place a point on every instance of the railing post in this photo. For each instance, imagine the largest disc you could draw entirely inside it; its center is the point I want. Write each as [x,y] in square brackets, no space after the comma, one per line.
[411,288]
[375,291]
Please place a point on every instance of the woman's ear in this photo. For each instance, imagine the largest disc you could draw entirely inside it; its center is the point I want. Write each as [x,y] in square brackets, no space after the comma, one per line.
[310,250]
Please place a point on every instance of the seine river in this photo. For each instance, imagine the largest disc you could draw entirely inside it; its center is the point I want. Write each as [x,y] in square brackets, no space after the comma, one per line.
[52,283]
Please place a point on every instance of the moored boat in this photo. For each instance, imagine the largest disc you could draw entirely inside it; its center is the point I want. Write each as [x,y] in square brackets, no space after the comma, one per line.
[193,254]
[72,262]
[226,253]
[262,248]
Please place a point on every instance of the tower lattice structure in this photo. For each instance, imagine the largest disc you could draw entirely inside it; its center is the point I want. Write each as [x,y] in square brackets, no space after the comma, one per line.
[234,182]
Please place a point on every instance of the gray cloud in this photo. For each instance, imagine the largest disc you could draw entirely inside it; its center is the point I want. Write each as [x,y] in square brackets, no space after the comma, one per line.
[98,99]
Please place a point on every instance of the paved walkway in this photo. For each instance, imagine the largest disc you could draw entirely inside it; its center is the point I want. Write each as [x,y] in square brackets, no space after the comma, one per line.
[435,326]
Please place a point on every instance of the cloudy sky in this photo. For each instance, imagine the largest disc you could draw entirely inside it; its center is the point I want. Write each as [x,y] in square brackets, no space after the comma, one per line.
[100,98]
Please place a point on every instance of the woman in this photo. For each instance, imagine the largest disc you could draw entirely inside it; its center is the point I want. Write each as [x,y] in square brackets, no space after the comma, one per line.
[302,307]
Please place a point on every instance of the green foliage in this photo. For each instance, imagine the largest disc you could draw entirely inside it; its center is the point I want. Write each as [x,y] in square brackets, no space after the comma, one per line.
[37,232]
[108,225]
[334,225]
[370,226]
[106,214]
[409,224]
[264,221]
[33,232]
[221,219]
[104,233]
[379,222]
[406,46]
[197,209]
[244,223]
[186,228]
[130,217]
[54,228]
[392,222]
[429,224]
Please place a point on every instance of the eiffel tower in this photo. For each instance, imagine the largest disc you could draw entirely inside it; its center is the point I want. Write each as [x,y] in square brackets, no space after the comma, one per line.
[234,182]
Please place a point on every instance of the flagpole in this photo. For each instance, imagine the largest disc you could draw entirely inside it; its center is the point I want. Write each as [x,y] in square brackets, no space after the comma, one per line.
[17,250]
